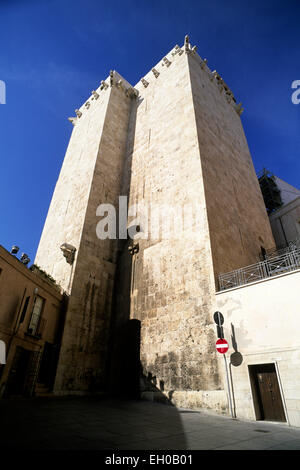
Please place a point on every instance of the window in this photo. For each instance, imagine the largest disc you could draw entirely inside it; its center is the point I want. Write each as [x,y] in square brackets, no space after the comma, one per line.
[36,315]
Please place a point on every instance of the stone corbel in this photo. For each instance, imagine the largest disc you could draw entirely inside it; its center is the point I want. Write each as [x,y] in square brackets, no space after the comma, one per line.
[239,108]
[111,78]
[120,85]
[87,104]
[68,252]
[78,113]
[144,82]
[166,62]
[103,85]
[72,120]
[132,92]
[188,49]
[155,73]
[178,50]
[95,95]
[133,249]
[229,96]
[186,44]
[203,63]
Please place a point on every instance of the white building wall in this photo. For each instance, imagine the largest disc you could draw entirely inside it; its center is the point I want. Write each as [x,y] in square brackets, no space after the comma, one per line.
[285,222]
[287,192]
[266,320]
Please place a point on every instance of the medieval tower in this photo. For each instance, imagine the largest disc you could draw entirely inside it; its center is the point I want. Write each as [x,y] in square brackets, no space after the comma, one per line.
[173,140]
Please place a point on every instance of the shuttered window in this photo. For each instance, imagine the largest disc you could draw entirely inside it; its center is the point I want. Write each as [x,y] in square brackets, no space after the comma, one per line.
[36,314]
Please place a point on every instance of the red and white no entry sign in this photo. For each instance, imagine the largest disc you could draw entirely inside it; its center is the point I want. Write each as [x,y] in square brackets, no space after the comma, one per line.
[222,346]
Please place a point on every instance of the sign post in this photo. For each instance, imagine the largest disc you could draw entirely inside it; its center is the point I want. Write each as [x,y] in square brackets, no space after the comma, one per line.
[228,386]
[219,320]
[222,348]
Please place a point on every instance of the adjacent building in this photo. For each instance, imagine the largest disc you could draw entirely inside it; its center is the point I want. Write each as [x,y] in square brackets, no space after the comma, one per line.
[283,206]
[31,324]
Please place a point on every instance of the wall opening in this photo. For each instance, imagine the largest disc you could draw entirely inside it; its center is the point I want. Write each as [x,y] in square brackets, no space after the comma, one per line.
[266,393]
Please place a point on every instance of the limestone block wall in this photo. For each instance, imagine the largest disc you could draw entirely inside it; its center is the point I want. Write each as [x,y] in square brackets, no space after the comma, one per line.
[265,321]
[172,289]
[67,211]
[83,362]
[238,222]
[90,176]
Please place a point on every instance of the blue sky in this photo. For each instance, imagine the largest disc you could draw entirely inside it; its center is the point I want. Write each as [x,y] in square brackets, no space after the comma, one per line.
[54,52]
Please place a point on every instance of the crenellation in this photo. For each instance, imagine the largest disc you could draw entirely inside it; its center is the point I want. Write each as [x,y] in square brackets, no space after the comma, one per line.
[239,108]
[129,91]
[203,63]
[132,92]
[72,120]
[166,62]
[159,67]
[155,73]
[120,85]
[177,50]
[213,75]
[95,95]
[103,85]
[144,82]
[187,45]
[111,78]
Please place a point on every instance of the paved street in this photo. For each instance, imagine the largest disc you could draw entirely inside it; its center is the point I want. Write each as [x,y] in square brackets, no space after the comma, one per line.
[96,424]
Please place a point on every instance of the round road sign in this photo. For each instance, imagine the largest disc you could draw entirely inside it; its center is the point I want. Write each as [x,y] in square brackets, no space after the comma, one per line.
[222,346]
[218,318]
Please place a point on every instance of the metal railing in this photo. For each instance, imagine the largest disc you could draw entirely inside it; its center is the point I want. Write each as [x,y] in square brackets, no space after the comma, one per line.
[281,250]
[289,261]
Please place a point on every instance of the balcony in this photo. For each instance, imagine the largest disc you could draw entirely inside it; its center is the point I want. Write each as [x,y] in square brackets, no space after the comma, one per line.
[38,331]
[276,262]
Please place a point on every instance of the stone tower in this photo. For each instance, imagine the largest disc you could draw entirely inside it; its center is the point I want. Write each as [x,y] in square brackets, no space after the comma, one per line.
[174,145]
[69,249]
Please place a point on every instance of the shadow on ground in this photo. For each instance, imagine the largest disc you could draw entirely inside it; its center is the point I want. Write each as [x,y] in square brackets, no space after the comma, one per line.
[89,423]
